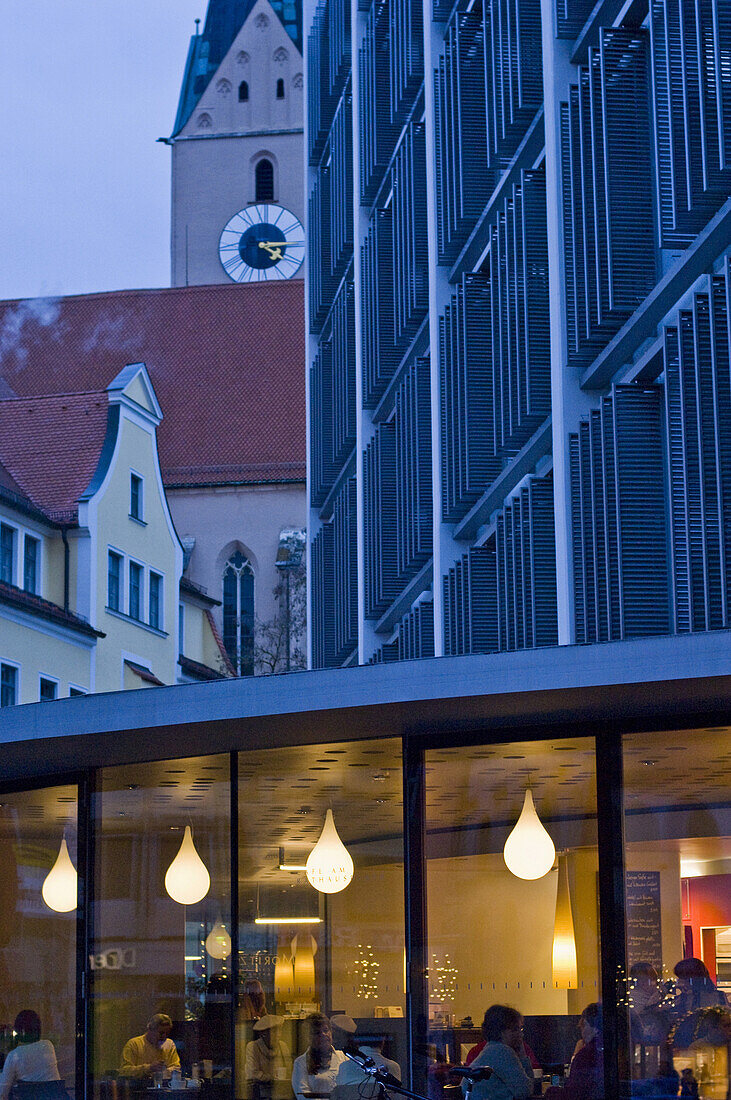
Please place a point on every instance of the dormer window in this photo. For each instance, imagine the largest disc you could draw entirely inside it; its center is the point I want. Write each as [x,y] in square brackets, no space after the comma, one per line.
[280,88]
[135,496]
[244,92]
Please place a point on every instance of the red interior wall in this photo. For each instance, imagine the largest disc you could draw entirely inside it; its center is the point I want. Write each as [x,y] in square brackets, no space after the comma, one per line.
[706,904]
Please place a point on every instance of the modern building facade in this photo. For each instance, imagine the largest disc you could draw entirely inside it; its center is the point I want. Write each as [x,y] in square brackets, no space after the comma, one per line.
[425,766]
[518,294]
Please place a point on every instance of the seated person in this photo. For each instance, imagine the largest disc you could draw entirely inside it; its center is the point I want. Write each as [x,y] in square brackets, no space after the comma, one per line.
[586,1076]
[351,1078]
[33,1059]
[153,1052]
[316,1070]
[268,1061]
[504,1052]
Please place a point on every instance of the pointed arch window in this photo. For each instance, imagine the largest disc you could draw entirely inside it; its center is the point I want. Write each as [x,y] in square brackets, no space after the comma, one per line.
[238,613]
[244,91]
[280,88]
[264,178]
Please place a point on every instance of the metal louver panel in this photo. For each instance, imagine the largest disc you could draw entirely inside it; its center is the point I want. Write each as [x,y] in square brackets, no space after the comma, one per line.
[619,526]
[380,355]
[341,187]
[691,68]
[380,521]
[319,251]
[412,425]
[502,596]
[513,73]
[410,256]
[698,428]
[328,65]
[416,632]
[377,133]
[332,398]
[608,216]
[464,181]
[571,16]
[345,572]
[323,599]
[495,350]
[406,55]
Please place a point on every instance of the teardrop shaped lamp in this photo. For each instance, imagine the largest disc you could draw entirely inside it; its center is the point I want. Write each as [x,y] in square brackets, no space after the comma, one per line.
[565,970]
[529,851]
[187,880]
[329,867]
[218,941]
[60,884]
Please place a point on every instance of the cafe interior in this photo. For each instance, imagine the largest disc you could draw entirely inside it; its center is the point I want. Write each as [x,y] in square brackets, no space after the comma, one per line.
[408,884]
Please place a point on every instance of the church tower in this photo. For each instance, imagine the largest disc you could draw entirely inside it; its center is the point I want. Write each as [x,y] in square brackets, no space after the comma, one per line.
[237,156]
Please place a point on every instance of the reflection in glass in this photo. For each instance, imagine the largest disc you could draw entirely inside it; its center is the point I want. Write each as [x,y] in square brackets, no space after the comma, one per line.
[678,911]
[149,953]
[303,951]
[498,939]
[38,943]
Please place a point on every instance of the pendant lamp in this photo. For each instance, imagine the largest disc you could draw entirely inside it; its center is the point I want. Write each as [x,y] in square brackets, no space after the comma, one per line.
[187,880]
[529,852]
[329,867]
[218,941]
[304,948]
[565,971]
[60,884]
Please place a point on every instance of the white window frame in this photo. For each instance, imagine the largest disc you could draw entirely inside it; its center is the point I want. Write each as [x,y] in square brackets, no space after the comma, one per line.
[14,566]
[142,618]
[51,680]
[39,563]
[181,629]
[119,610]
[14,664]
[141,517]
[160,600]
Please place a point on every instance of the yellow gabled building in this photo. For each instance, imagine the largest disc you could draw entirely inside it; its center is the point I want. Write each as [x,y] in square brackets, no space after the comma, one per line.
[91,565]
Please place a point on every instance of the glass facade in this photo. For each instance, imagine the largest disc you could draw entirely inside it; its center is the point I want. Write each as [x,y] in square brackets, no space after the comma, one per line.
[547,874]
[38,954]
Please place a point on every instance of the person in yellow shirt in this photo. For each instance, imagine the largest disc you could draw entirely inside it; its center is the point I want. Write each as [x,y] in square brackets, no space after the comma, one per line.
[153,1052]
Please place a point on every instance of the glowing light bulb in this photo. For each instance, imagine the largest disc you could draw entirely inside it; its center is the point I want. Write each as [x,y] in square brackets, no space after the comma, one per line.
[565,970]
[187,879]
[329,867]
[529,852]
[60,884]
[218,941]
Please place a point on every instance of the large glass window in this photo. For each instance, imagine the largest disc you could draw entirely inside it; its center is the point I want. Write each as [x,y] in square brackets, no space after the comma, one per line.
[512,906]
[238,613]
[678,910]
[30,564]
[114,581]
[8,685]
[302,950]
[38,896]
[135,590]
[161,921]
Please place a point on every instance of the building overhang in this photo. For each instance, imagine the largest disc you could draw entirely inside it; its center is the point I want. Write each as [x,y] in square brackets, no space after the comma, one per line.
[645,683]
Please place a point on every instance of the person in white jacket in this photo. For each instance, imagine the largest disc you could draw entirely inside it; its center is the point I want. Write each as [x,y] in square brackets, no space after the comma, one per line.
[34,1059]
[316,1070]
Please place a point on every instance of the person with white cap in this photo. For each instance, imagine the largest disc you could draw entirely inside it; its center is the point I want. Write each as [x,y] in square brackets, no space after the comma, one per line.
[315,1071]
[351,1073]
[268,1061]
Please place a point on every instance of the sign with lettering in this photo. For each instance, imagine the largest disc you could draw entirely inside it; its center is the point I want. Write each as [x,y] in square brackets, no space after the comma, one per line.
[644,928]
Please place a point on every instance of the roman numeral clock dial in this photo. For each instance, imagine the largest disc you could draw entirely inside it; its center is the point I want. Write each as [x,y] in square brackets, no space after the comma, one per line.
[263,242]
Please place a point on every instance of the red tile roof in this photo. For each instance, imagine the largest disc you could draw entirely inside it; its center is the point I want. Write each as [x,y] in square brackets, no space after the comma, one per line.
[51,446]
[227,364]
[44,609]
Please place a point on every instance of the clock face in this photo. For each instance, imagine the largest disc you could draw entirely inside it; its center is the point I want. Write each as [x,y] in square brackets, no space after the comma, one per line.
[260,243]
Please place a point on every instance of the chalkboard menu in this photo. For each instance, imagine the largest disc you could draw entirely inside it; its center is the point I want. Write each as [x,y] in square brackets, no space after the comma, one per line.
[644,930]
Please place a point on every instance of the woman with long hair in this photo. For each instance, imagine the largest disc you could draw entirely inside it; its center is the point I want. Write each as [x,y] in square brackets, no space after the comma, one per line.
[316,1070]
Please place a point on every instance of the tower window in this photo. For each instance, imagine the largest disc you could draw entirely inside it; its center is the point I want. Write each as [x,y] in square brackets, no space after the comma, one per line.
[280,88]
[264,181]
[244,92]
[238,613]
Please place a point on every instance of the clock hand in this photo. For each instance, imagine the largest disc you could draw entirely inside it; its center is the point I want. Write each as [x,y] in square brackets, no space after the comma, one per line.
[274,248]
